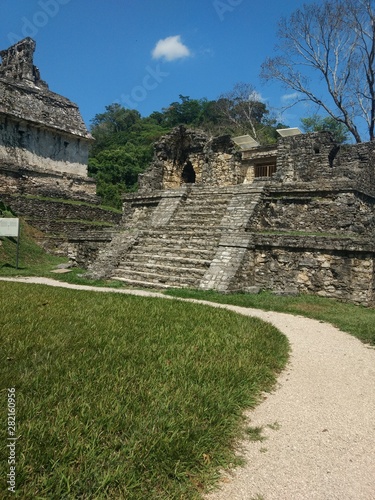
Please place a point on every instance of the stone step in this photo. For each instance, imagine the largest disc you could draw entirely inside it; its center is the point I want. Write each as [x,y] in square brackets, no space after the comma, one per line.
[174,247]
[166,279]
[204,188]
[185,234]
[188,227]
[170,257]
[170,252]
[204,202]
[198,216]
[201,210]
[154,268]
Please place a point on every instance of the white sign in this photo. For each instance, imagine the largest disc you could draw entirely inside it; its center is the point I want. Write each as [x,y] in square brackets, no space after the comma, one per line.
[9,227]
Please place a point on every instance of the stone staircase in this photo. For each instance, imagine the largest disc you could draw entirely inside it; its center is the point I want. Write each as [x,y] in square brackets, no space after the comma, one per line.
[195,238]
[178,254]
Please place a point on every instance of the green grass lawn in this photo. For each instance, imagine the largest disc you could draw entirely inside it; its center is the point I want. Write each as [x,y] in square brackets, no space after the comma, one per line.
[356,320]
[126,397]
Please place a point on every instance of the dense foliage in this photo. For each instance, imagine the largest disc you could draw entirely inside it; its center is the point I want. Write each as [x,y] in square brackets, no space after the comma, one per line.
[124,139]
[316,123]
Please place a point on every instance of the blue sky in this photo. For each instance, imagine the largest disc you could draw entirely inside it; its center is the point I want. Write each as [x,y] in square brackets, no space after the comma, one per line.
[144,53]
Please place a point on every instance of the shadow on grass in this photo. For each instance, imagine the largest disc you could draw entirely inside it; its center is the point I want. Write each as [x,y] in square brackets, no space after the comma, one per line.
[12,266]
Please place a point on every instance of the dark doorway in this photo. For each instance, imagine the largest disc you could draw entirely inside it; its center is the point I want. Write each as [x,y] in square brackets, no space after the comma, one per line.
[188,174]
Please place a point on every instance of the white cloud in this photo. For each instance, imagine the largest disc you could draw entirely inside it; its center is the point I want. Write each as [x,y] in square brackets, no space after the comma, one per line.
[290,97]
[257,96]
[170,48]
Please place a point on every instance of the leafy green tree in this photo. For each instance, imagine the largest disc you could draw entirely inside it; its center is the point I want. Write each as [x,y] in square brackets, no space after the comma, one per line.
[115,119]
[116,171]
[123,148]
[316,123]
[113,126]
[124,140]
[187,112]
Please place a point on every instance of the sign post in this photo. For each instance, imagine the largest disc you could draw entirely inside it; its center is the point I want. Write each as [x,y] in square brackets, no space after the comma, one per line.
[11,227]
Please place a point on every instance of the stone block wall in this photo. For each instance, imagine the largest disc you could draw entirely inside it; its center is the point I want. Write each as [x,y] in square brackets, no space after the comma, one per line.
[138,208]
[192,157]
[317,158]
[357,162]
[61,221]
[63,210]
[305,158]
[48,184]
[326,267]
[335,211]
[23,144]
[84,249]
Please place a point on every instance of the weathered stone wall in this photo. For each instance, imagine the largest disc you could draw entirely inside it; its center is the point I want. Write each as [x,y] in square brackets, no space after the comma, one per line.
[66,224]
[84,249]
[23,144]
[305,158]
[318,211]
[317,158]
[192,157]
[39,130]
[357,162]
[34,208]
[138,208]
[40,183]
[341,269]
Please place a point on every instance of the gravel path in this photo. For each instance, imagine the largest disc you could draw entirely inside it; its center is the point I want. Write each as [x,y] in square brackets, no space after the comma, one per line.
[319,423]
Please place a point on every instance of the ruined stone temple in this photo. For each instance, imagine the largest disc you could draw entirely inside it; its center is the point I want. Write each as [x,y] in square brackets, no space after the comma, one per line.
[44,147]
[295,217]
[41,132]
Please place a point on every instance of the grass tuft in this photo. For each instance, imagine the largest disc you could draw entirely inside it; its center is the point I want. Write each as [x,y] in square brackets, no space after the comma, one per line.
[255,433]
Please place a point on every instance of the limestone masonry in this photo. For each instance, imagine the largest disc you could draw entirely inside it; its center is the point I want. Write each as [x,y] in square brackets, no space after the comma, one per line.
[295,217]
[39,128]
[44,146]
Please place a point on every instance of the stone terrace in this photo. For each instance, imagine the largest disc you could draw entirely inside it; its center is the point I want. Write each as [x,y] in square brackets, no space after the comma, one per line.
[307,228]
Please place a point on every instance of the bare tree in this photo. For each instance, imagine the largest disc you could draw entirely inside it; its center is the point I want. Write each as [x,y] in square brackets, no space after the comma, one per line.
[334,40]
[242,109]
